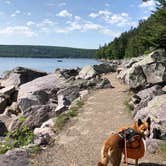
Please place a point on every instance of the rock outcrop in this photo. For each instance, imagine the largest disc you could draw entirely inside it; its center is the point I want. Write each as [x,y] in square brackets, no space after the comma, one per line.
[32,99]
[19,76]
[149,71]
[146,76]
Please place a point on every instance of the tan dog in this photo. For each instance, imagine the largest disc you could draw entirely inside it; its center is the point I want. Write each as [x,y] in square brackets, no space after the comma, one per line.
[113,147]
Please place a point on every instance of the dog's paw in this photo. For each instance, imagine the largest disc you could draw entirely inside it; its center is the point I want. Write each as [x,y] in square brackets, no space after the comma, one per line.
[100,164]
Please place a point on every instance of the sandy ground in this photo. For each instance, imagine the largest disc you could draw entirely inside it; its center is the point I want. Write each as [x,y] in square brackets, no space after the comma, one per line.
[79,143]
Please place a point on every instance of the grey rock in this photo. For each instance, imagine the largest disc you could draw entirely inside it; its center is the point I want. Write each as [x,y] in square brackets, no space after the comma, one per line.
[3,104]
[40,91]
[43,136]
[153,145]
[16,157]
[135,77]
[6,120]
[87,72]
[12,109]
[147,95]
[65,97]
[148,71]
[19,76]
[8,90]
[49,123]
[156,111]
[34,117]
[155,73]
[105,68]
[3,129]
[104,83]
[68,73]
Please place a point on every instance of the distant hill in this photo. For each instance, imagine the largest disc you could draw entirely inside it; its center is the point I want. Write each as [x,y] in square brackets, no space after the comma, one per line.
[45,52]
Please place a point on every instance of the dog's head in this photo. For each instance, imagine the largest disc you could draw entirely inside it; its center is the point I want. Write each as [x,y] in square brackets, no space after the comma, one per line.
[143,127]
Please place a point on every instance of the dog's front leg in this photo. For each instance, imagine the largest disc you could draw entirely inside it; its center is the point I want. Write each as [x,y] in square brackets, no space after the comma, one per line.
[136,162]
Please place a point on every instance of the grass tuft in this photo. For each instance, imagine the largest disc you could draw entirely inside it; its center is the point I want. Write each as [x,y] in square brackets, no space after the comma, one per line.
[64,117]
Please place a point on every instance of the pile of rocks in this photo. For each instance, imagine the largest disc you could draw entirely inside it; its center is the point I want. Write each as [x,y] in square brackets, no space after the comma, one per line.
[37,97]
[146,77]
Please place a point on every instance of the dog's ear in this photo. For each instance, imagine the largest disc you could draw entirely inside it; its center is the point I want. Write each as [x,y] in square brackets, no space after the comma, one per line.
[148,121]
[139,122]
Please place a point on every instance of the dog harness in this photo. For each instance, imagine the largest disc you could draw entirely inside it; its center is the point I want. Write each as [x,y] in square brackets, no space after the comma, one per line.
[132,143]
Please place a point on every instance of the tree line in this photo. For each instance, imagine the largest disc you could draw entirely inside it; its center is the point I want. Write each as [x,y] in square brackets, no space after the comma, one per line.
[45,52]
[150,34]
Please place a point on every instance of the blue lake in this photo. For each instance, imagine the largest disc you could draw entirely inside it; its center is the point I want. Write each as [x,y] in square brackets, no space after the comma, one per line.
[43,64]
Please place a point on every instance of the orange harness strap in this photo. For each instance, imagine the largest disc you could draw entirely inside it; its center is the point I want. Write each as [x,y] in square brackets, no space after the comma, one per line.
[126,157]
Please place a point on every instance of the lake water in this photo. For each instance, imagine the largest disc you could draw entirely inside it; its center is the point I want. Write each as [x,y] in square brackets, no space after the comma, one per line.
[43,64]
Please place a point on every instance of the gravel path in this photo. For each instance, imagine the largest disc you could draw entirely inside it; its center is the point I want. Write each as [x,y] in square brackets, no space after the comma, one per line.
[80,142]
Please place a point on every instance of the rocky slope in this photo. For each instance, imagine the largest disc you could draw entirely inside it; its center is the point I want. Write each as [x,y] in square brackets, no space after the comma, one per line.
[146,77]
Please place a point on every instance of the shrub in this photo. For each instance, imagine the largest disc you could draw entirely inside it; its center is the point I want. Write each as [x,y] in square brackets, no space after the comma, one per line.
[18,138]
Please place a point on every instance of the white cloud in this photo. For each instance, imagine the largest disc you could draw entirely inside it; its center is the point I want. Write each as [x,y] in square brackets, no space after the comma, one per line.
[100,13]
[120,19]
[84,26]
[74,26]
[150,4]
[46,23]
[17,30]
[7,2]
[64,13]
[77,18]
[93,15]
[29,14]
[30,23]
[17,12]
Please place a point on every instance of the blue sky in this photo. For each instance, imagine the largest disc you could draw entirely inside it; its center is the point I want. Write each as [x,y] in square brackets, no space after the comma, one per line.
[71,23]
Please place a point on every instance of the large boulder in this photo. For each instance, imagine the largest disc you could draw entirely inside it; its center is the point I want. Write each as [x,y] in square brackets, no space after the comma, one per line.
[144,96]
[135,77]
[149,71]
[87,72]
[68,73]
[105,68]
[19,76]
[33,117]
[16,157]
[155,73]
[66,96]
[40,91]
[156,110]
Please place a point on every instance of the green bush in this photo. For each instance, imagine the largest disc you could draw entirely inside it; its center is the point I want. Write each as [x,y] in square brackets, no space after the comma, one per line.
[18,138]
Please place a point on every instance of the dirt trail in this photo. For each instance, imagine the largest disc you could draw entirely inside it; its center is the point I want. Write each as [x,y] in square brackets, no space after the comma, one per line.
[80,142]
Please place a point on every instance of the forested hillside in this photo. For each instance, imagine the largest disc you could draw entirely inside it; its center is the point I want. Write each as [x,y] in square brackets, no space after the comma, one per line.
[150,34]
[45,52]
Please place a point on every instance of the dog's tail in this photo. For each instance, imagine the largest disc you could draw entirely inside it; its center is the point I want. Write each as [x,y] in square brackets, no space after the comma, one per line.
[104,155]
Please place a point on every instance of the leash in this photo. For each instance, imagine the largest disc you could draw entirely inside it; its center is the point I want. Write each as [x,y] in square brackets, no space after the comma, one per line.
[126,158]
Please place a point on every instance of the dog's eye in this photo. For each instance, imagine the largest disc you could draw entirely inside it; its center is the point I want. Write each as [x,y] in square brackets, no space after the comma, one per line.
[144,129]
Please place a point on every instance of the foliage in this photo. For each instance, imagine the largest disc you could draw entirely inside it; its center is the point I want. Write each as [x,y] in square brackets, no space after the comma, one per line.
[72,112]
[150,34]
[45,52]
[18,138]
